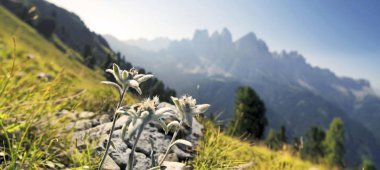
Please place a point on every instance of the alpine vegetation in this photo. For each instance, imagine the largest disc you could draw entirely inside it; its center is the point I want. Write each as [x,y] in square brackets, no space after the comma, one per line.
[124,80]
[186,107]
[139,115]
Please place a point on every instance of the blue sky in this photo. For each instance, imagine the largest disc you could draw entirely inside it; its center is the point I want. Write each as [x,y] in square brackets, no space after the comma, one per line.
[342,35]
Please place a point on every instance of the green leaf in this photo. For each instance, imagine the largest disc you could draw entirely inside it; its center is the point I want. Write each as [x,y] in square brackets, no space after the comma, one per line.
[123,131]
[116,73]
[163,125]
[15,127]
[116,69]
[124,75]
[152,151]
[178,106]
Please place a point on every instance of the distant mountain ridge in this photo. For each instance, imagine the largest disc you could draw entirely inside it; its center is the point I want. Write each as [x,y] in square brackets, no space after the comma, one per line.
[152,45]
[297,94]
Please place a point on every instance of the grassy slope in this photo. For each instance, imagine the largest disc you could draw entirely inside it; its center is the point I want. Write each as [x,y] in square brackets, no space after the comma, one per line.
[46,57]
[219,151]
[30,135]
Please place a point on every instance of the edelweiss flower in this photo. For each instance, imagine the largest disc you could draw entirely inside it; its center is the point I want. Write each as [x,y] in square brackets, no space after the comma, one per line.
[187,107]
[142,113]
[126,79]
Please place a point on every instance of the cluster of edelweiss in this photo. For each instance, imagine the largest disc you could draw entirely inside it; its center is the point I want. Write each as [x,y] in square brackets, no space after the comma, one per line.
[141,114]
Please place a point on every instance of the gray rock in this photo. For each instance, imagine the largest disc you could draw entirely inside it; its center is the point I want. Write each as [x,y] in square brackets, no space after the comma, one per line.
[120,145]
[171,157]
[121,158]
[103,128]
[66,114]
[70,126]
[122,149]
[142,162]
[160,142]
[104,118]
[197,128]
[95,122]
[109,164]
[181,155]
[85,115]
[83,125]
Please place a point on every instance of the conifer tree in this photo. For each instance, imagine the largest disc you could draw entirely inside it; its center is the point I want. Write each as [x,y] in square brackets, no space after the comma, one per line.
[276,139]
[313,145]
[367,165]
[249,114]
[334,143]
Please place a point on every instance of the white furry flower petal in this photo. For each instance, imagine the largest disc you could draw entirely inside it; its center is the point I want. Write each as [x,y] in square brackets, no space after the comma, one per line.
[144,78]
[201,108]
[133,83]
[163,110]
[138,76]
[133,127]
[138,90]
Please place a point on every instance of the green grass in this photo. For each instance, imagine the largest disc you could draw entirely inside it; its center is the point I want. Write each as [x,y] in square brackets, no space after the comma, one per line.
[219,151]
[31,136]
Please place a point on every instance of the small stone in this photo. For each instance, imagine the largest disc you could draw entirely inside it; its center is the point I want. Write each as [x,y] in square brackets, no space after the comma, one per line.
[181,155]
[95,122]
[30,56]
[83,125]
[62,113]
[121,158]
[142,162]
[109,164]
[69,126]
[197,129]
[104,118]
[171,157]
[86,115]
[44,76]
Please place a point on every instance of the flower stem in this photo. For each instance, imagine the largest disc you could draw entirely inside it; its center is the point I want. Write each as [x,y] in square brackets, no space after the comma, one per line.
[132,154]
[112,129]
[173,138]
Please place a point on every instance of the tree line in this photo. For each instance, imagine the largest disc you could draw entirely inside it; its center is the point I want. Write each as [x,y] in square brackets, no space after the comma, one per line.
[317,144]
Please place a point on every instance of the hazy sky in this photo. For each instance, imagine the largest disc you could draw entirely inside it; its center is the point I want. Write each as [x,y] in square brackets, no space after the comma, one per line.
[342,35]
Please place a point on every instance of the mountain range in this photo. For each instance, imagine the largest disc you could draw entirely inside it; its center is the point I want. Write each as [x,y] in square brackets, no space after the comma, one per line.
[297,94]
